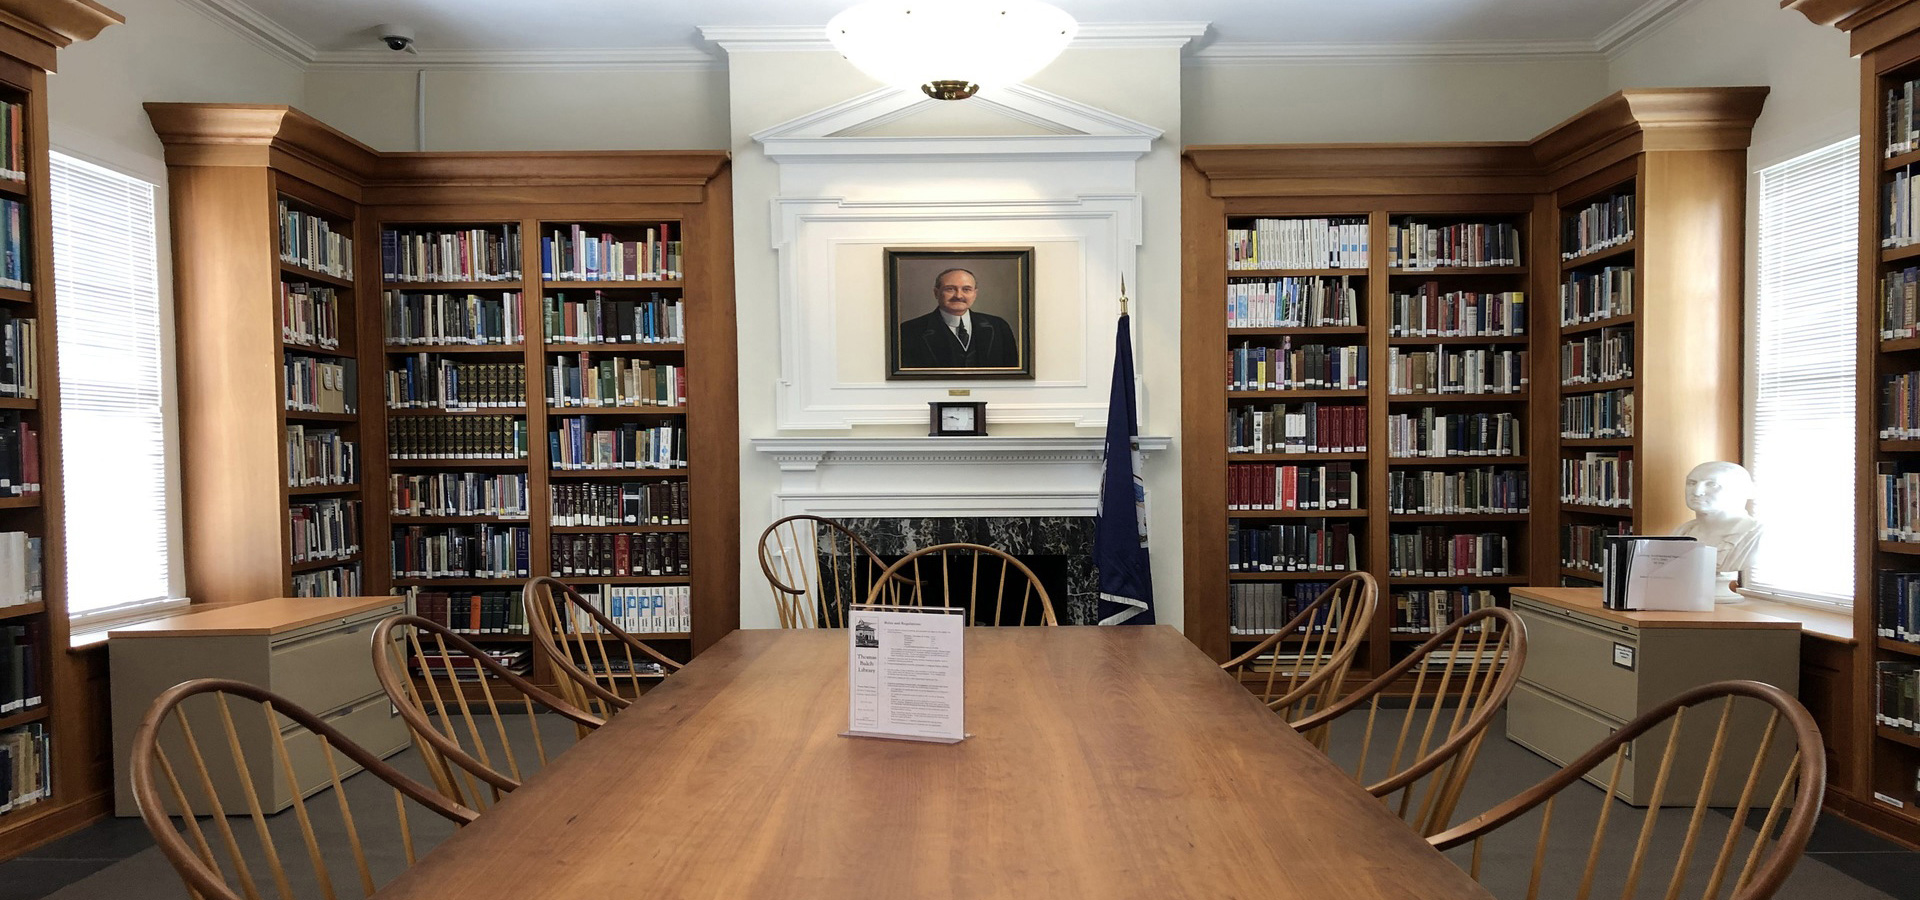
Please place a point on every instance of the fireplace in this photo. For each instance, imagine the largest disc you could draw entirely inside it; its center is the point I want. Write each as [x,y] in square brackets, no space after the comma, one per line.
[1033,498]
[1059,550]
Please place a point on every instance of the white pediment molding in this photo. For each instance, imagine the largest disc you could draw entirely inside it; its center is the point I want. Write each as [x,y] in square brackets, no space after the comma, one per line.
[1073,129]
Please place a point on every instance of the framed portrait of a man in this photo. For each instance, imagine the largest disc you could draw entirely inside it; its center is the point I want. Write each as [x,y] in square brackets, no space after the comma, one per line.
[960,313]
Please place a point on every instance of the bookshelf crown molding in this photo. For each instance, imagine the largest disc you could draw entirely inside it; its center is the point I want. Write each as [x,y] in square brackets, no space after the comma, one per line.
[1869,24]
[1075,129]
[1613,129]
[237,134]
[49,25]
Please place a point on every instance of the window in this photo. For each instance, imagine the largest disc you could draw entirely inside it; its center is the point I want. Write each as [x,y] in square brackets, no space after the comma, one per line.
[1800,423]
[113,418]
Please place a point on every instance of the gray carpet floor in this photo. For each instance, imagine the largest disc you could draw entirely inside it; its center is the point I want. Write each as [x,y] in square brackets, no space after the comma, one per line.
[116,860]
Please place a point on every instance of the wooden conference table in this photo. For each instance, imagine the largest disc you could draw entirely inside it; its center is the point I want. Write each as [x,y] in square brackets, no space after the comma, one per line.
[1104,762]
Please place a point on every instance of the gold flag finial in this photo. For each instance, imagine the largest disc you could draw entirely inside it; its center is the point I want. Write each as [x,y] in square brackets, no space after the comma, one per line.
[1123,295]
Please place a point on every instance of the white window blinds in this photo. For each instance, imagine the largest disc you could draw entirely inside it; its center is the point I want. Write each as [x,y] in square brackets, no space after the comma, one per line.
[1800,438]
[113,435]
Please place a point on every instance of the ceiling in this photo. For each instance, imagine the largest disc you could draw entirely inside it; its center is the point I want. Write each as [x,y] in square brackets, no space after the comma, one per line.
[340,28]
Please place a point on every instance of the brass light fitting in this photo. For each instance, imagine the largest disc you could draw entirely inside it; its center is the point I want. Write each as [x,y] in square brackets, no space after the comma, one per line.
[950,90]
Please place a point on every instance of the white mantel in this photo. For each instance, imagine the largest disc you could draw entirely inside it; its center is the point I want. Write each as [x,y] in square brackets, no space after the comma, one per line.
[906,477]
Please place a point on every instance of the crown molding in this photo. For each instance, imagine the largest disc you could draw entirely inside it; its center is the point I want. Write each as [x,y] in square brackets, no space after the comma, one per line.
[1646,19]
[1255,54]
[1076,129]
[262,32]
[1091,36]
[653,59]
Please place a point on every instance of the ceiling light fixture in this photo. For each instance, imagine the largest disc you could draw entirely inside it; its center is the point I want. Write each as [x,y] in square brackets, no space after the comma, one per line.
[951,48]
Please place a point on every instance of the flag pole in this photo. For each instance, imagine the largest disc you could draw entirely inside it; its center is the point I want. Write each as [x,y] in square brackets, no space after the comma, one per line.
[1123,296]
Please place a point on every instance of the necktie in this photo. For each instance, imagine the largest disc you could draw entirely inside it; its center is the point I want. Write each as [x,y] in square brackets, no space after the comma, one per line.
[961,330]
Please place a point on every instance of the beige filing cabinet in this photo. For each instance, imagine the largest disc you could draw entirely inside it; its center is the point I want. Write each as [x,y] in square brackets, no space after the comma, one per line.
[1590,669]
[314,651]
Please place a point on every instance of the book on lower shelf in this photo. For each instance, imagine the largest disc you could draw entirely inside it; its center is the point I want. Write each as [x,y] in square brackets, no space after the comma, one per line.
[19,456]
[309,315]
[323,384]
[603,318]
[461,551]
[1897,695]
[651,553]
[1433,311]
[499,494]
[1897,606]
[1456,370]
[1430,433]
[638,609]
[1310,545]
[625,503]
[1438,551]
[324,529]
[1325,301]
[333,581]
[1428,611]
[20,667]
[459,666]
[426,380]
[471,611]
[1595,295]
[320,457]
[578,443]
[1308,427]
[1490,490]
[21,572]
[453,320]
[1606,355]
[1325,486]
[19,356]
[457,437]
[26,767]
[1598,478]
[1261,608]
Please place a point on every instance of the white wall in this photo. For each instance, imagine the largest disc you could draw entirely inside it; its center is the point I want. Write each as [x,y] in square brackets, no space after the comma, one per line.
[164,51]
[1815,98]
[1320,102]
[526,109]
[772,87]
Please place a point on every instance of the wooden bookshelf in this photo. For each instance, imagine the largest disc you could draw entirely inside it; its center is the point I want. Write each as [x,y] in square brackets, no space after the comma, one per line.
[72,710]
[1690,289]
[231,161]
[1874,777]
[229,278]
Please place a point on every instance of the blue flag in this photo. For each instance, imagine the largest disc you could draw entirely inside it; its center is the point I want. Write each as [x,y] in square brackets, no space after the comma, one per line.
[1120,525]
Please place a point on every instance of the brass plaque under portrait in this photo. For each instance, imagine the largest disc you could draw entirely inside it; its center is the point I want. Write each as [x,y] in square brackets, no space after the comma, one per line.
[960,313]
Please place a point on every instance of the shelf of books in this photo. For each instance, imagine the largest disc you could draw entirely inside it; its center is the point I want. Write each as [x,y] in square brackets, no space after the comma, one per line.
[1377,386]
[1595,324]
[49,782]
[1889,554]
[579,471]
[29,448]
[1405,397]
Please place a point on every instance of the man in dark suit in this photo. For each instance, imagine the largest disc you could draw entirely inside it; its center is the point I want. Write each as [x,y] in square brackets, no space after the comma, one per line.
[953,336]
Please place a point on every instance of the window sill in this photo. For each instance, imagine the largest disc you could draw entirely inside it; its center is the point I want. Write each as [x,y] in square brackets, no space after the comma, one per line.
[90,635]
[1828,625]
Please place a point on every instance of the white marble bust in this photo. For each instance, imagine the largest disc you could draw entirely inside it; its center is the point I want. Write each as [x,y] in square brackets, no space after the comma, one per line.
[1718,493]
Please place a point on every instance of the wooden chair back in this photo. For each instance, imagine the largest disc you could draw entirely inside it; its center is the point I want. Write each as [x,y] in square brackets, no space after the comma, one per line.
[993,587]
[1298,669]
[817,568]
[470,715]
[1783,772]
[174,756]
[1460,679]
[594,660]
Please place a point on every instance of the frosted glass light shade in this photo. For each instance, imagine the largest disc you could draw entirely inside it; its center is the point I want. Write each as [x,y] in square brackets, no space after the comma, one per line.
[938,44]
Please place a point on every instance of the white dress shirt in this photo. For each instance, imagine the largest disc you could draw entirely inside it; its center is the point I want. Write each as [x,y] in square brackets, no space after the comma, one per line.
[953,325]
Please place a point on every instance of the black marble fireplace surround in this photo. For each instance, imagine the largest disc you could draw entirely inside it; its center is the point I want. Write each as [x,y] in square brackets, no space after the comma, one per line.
[1058,548]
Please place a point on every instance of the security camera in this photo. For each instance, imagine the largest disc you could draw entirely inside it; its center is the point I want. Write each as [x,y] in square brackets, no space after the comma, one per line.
[398,38]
